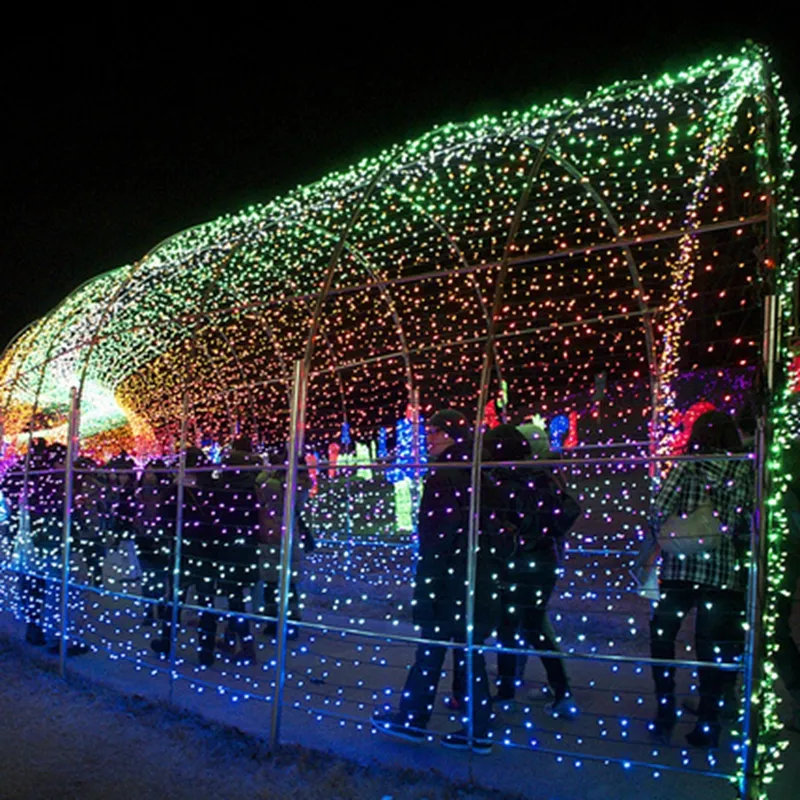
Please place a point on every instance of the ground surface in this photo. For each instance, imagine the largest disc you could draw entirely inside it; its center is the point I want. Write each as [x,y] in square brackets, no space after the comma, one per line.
[79,741]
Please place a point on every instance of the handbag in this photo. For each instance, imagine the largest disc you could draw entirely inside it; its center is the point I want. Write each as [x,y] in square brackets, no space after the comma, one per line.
[121,564]
[644,570]
[690,534]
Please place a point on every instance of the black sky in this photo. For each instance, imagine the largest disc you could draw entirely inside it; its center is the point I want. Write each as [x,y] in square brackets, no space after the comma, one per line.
[114,141]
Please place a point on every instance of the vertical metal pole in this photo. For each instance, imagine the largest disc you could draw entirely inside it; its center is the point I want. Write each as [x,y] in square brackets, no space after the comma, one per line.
[69,486]
[750,787]
[756,585]
[24,513]
[346,471]
[473,534]
[176,567]
[296,437]
[416,454]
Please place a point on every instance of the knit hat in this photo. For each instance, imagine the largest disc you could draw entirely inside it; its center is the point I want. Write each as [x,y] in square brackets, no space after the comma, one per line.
[506,443]
[537,438]
[451,422]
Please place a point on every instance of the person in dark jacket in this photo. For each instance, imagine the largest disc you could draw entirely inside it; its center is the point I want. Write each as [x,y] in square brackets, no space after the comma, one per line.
[45,507]
[440,591]
[531,512]
[236,523]
[713,581]
[197,556]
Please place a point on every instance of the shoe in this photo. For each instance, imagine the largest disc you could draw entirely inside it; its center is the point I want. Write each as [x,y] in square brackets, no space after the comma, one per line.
[160,646]
[227,644]
[452,703]
[563,708]
[481,745]
[507,704]
[705,735]
[34,635]
[76,649]
[398,727]
[205,658]
[661,730]
[247,654]
[662,726]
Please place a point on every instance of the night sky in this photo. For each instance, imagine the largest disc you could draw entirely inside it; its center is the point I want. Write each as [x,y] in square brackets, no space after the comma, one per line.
[114,141]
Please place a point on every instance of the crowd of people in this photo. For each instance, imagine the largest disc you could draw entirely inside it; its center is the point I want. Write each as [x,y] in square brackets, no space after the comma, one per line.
[513,515]
[231,522]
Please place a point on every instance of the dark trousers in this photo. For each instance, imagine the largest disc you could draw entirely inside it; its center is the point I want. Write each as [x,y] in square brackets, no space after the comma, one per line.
[272,600]
[718,637]
[237,597]
[33,590]
[207,619]
[524,623]
[419,692]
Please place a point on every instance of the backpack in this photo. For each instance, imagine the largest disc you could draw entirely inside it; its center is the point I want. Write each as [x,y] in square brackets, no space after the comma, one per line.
[526,509]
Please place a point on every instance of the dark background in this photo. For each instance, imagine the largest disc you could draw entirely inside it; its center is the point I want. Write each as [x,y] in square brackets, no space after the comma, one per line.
[118,136]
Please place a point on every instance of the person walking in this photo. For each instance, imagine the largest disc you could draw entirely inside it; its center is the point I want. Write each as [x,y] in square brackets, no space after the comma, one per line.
[712,581]
[440,593]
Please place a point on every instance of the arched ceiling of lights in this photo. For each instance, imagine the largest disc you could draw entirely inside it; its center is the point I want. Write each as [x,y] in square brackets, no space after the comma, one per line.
[623,219]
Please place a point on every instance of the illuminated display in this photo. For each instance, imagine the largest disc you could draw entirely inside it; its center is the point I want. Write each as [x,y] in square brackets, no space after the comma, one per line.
[637,229]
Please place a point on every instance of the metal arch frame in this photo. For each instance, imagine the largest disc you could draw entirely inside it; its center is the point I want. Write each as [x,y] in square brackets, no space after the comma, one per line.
[327,284]
[477,447]
[459,255]
[295,448]
[283,359]
[757,588]
[384,292]
[135,269]
[43,322]
[498,291]
[633,269]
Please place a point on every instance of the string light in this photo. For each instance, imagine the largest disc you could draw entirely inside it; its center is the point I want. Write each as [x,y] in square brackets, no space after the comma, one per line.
[632,268]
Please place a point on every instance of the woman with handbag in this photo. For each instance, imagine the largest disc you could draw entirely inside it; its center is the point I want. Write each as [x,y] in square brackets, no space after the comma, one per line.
[701,515]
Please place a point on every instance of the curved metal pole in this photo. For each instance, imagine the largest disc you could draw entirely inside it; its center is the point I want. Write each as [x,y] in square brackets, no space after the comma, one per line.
[475,478]
[66,538]
[331,351]
[134,272]
[386,295]
[633,269]
[322,296]
[176,566]
[296,441]
[750,780]
[453,243]
[44,321]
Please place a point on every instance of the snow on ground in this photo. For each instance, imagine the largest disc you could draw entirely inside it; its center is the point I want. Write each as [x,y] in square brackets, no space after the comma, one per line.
[79,741]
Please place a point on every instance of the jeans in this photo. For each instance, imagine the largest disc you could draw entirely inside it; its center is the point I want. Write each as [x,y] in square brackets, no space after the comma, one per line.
[419,693]
[524,623]
[718,637]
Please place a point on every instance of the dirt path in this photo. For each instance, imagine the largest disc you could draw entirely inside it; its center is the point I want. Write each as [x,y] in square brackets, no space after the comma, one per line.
[74,741]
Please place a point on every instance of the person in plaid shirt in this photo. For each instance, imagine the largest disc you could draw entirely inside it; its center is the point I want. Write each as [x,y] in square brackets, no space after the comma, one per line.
[713,581]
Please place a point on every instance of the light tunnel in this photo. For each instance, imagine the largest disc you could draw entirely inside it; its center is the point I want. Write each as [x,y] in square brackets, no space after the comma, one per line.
[583,238]
[613,262]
